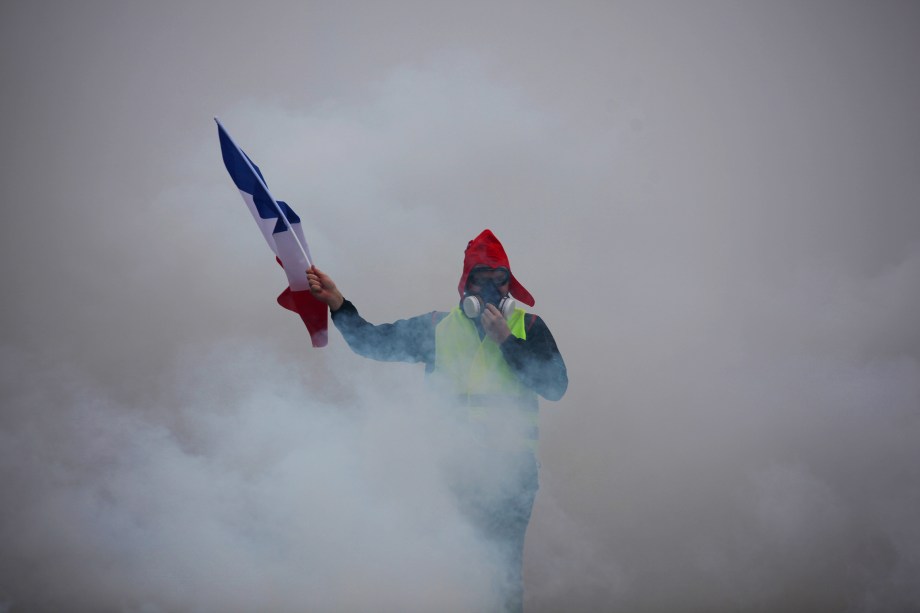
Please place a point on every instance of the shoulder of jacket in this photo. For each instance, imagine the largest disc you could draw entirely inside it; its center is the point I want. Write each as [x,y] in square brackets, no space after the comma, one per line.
[438,316]
[529,320]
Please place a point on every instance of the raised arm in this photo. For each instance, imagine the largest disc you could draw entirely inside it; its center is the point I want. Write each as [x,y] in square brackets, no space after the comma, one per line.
[406,340]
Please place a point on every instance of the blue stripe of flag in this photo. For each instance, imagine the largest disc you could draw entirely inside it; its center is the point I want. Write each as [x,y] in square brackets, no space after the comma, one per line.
[246,181]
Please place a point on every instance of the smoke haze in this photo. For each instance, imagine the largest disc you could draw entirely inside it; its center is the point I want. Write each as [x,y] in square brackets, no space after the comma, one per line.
[715,206]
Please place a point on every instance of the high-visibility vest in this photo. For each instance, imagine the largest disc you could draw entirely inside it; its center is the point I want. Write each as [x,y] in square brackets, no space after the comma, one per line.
[475,373]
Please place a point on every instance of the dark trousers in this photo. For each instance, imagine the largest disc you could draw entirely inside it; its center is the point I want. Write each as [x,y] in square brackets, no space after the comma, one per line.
[500,513]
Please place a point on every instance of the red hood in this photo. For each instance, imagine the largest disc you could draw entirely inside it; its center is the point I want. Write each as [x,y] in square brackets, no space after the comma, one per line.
[486,250]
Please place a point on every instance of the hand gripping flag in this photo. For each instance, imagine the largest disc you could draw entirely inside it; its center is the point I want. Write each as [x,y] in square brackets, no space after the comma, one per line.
[281,227]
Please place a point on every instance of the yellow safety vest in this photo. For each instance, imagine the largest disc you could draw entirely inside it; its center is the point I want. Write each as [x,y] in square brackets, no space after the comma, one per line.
[475,372]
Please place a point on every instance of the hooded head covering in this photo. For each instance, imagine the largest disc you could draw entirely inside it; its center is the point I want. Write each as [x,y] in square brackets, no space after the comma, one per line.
[485,250]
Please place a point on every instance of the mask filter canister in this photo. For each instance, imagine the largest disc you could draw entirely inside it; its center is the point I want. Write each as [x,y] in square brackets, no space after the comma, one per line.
[474,305]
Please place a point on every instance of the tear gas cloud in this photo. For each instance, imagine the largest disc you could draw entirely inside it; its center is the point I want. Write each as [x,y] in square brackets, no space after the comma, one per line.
[714,207]
[243,497]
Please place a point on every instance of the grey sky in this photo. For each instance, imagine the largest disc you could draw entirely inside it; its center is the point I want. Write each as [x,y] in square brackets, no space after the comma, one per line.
[714,204]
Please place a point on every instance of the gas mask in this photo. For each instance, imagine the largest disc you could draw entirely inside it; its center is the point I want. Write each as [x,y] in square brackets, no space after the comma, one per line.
[475,304]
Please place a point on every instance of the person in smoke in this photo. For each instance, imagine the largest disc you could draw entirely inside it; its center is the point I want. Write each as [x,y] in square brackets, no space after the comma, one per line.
[489,359]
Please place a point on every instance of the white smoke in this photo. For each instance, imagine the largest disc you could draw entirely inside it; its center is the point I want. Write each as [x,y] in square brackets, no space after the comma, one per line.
[234,489]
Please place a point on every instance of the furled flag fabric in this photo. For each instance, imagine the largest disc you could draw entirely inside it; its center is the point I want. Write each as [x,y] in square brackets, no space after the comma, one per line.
[294,258]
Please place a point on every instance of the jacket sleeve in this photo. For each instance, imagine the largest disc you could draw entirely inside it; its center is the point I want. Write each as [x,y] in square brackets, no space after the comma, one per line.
[406,340]
[536,360]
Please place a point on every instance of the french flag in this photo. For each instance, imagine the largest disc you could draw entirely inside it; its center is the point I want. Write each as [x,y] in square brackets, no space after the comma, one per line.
[281,228]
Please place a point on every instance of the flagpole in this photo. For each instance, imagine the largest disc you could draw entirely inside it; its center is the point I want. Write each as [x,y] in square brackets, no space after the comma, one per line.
[265,187]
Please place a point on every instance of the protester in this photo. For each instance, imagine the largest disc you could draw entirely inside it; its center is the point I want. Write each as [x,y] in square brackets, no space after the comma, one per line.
[491,360]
